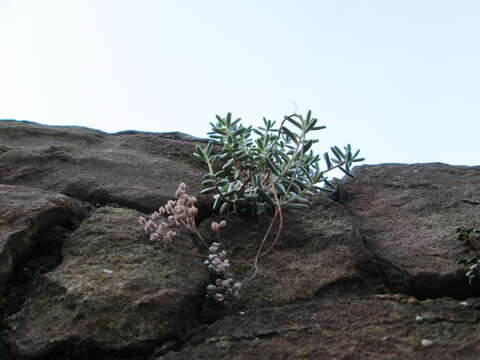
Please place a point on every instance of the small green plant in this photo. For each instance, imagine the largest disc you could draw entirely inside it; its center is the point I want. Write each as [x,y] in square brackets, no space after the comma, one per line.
[470,237]
[278,169]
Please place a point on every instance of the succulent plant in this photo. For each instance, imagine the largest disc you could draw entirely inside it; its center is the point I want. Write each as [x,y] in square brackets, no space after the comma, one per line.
[277,168]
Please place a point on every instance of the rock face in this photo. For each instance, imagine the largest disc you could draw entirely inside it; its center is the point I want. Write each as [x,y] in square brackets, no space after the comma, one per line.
[24,214]
[409,216]
[317,250]
[113,291]
[133,169]
[372,275]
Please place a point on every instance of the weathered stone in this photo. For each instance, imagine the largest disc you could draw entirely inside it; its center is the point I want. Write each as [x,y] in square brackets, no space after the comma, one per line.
[408,216]
[133,169]
[373,328]
[317,249]
[327,289]
[114,291]
[24,214]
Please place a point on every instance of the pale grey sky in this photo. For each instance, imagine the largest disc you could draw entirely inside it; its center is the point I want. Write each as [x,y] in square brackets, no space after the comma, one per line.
[398,79]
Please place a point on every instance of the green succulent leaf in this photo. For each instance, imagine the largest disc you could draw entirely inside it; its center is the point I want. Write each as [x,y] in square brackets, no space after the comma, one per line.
[208,182]
[300,199]
[327,160]
[208,149]
[229,193]
[281,188]
[267,198]
[224,208]
[338,153]
[290,134]
[217,203]
[346,172]
[229,164]
[297,206]
[208,190]
[294,122]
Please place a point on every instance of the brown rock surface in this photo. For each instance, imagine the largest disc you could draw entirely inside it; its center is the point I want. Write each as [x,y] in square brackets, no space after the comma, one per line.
[133,169]
[318,249]
[372,328]
[408,216]
[114,291]
[362,278]
[24,214]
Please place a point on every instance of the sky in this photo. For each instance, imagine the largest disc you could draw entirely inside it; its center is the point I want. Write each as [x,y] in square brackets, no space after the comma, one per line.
[399,80]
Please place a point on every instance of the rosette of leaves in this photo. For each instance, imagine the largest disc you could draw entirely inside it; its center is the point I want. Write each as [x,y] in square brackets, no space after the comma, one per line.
[267,167]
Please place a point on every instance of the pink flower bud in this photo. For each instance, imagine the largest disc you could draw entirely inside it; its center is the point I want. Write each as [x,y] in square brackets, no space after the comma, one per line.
[215,227]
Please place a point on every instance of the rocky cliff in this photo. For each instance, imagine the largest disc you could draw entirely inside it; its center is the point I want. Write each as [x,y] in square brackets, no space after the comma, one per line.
[369,273]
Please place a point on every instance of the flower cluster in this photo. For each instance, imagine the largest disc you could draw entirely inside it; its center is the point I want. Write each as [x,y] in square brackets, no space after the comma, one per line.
[179,212]
[217,262]
[224,290]
[182,213]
